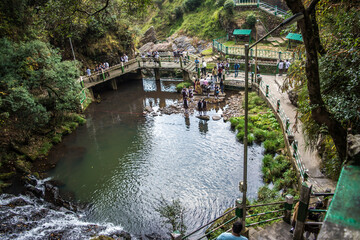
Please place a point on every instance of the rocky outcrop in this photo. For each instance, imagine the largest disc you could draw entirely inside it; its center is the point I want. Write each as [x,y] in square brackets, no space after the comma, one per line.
[160,47]
[353,145]
[293,97]
[149,36]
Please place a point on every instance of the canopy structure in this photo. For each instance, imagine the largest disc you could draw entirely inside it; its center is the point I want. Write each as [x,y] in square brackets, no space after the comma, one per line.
[294,36]
[242,32]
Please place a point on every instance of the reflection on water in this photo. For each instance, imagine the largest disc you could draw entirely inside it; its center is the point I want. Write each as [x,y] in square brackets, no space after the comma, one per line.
[122,163]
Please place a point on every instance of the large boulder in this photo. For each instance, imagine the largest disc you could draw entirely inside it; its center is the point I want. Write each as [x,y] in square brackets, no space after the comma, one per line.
[147,47]
[149,36]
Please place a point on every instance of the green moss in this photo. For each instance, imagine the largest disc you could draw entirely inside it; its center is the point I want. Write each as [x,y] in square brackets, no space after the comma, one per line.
[23,165]
[57,138]
[45,148]
[8,175]
[180,86]
[207,52]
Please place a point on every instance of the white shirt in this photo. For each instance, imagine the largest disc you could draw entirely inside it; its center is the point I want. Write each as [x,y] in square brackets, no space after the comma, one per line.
[204,64]
[287,64]
[281,65]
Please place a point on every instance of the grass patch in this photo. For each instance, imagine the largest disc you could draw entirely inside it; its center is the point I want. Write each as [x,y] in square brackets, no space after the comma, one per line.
[207,52]
[180,86]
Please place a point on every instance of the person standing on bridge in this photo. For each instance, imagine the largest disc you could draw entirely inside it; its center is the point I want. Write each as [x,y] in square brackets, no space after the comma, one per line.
[236,68]
[197,62]
[287,65]
[235,233]
[220,69]
[126,58]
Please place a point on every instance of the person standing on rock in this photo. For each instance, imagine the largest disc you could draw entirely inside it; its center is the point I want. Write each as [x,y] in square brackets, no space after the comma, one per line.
[186,105]
[216,92]
[204,106]
[200,108]
[203,69]
[191,94]
[220,69]
[222,85]
[184,92]
[235,233]
[214,73]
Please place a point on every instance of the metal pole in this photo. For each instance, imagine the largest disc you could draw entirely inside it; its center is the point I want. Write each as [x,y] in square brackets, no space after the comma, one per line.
[246,131]
[72,49]
[256,60]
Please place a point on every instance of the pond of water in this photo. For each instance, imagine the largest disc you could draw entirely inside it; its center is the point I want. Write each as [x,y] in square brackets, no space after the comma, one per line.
[123,163]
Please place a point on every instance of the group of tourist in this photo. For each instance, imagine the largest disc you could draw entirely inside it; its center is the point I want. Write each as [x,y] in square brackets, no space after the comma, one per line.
[180,54]
[151,56]
[100,68]
[283,66]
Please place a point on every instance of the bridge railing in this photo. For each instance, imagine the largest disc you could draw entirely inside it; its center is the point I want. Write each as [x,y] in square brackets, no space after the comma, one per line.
[246,2]
[261,53]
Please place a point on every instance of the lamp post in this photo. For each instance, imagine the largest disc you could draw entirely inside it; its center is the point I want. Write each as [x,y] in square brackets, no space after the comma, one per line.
[286,22]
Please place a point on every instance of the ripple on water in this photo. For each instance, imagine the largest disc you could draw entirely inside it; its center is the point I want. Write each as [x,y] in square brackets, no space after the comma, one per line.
[136,161]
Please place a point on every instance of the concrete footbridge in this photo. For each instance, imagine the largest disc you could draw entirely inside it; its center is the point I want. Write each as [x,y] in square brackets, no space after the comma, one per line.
[133,69]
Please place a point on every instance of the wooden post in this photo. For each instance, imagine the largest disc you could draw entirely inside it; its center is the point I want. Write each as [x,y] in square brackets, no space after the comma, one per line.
[267,91]
[278,106]
[181,63]
[113,84]
[157,74]
[288,207]
[302,212]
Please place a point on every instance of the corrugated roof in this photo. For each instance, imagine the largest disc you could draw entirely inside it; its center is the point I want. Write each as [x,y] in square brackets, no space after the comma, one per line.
[294,36]
[242,32]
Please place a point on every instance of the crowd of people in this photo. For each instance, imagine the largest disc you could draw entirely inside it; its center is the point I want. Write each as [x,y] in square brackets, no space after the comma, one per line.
[151,56]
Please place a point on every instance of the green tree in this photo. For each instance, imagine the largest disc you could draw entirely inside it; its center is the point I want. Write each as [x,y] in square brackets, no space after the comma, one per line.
[37,88]
[229,6]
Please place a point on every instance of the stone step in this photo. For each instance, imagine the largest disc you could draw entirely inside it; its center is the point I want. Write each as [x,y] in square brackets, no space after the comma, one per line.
[276,231]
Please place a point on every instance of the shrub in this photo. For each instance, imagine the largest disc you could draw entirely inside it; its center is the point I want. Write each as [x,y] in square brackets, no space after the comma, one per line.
[178,12]
[260,135]
[240,135]
[229,6]
[220,3]
[270,146]
[182,84]
[251,138]
[191,5]
[251,20]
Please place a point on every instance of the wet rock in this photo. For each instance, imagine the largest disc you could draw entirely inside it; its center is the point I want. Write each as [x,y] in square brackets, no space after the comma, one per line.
[17,203]
[216,118]
[34,191]
[293,97]
[148,109]
[203,117]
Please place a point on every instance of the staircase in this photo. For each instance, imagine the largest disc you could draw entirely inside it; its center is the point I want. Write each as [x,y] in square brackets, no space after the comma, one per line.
[276,231]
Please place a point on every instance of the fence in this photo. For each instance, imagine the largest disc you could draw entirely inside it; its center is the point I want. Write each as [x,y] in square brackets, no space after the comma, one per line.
[261,53]
[282,209]
[263,5]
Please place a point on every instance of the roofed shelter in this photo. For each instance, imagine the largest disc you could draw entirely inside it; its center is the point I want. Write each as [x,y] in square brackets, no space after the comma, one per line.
[242,32]
[295,37]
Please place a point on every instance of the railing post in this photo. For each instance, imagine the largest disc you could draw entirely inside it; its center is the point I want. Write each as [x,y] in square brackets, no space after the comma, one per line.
[181,64]
[302,212]
[288,207]
[295,146]
[227,37]
[278,106]
[252,77]
[122,67]
[159,61]
[275,10]
[280,55]
[267,91]
[227,49]
[287,124]
[138,62]
[258,3]
[176,235]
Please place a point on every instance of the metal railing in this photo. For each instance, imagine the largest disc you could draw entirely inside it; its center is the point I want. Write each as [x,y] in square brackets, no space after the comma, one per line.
[261,53]
[285,121]
[234,216]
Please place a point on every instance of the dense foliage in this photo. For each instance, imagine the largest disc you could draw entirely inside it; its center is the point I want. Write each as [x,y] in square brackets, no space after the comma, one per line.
[339,78]
[36,88]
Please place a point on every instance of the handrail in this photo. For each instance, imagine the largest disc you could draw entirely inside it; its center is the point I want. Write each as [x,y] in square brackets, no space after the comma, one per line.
[227,222]
[264,221]
[226,213]
[266,204]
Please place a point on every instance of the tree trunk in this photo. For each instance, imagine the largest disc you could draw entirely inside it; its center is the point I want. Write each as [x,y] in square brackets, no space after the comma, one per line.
[319,112]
